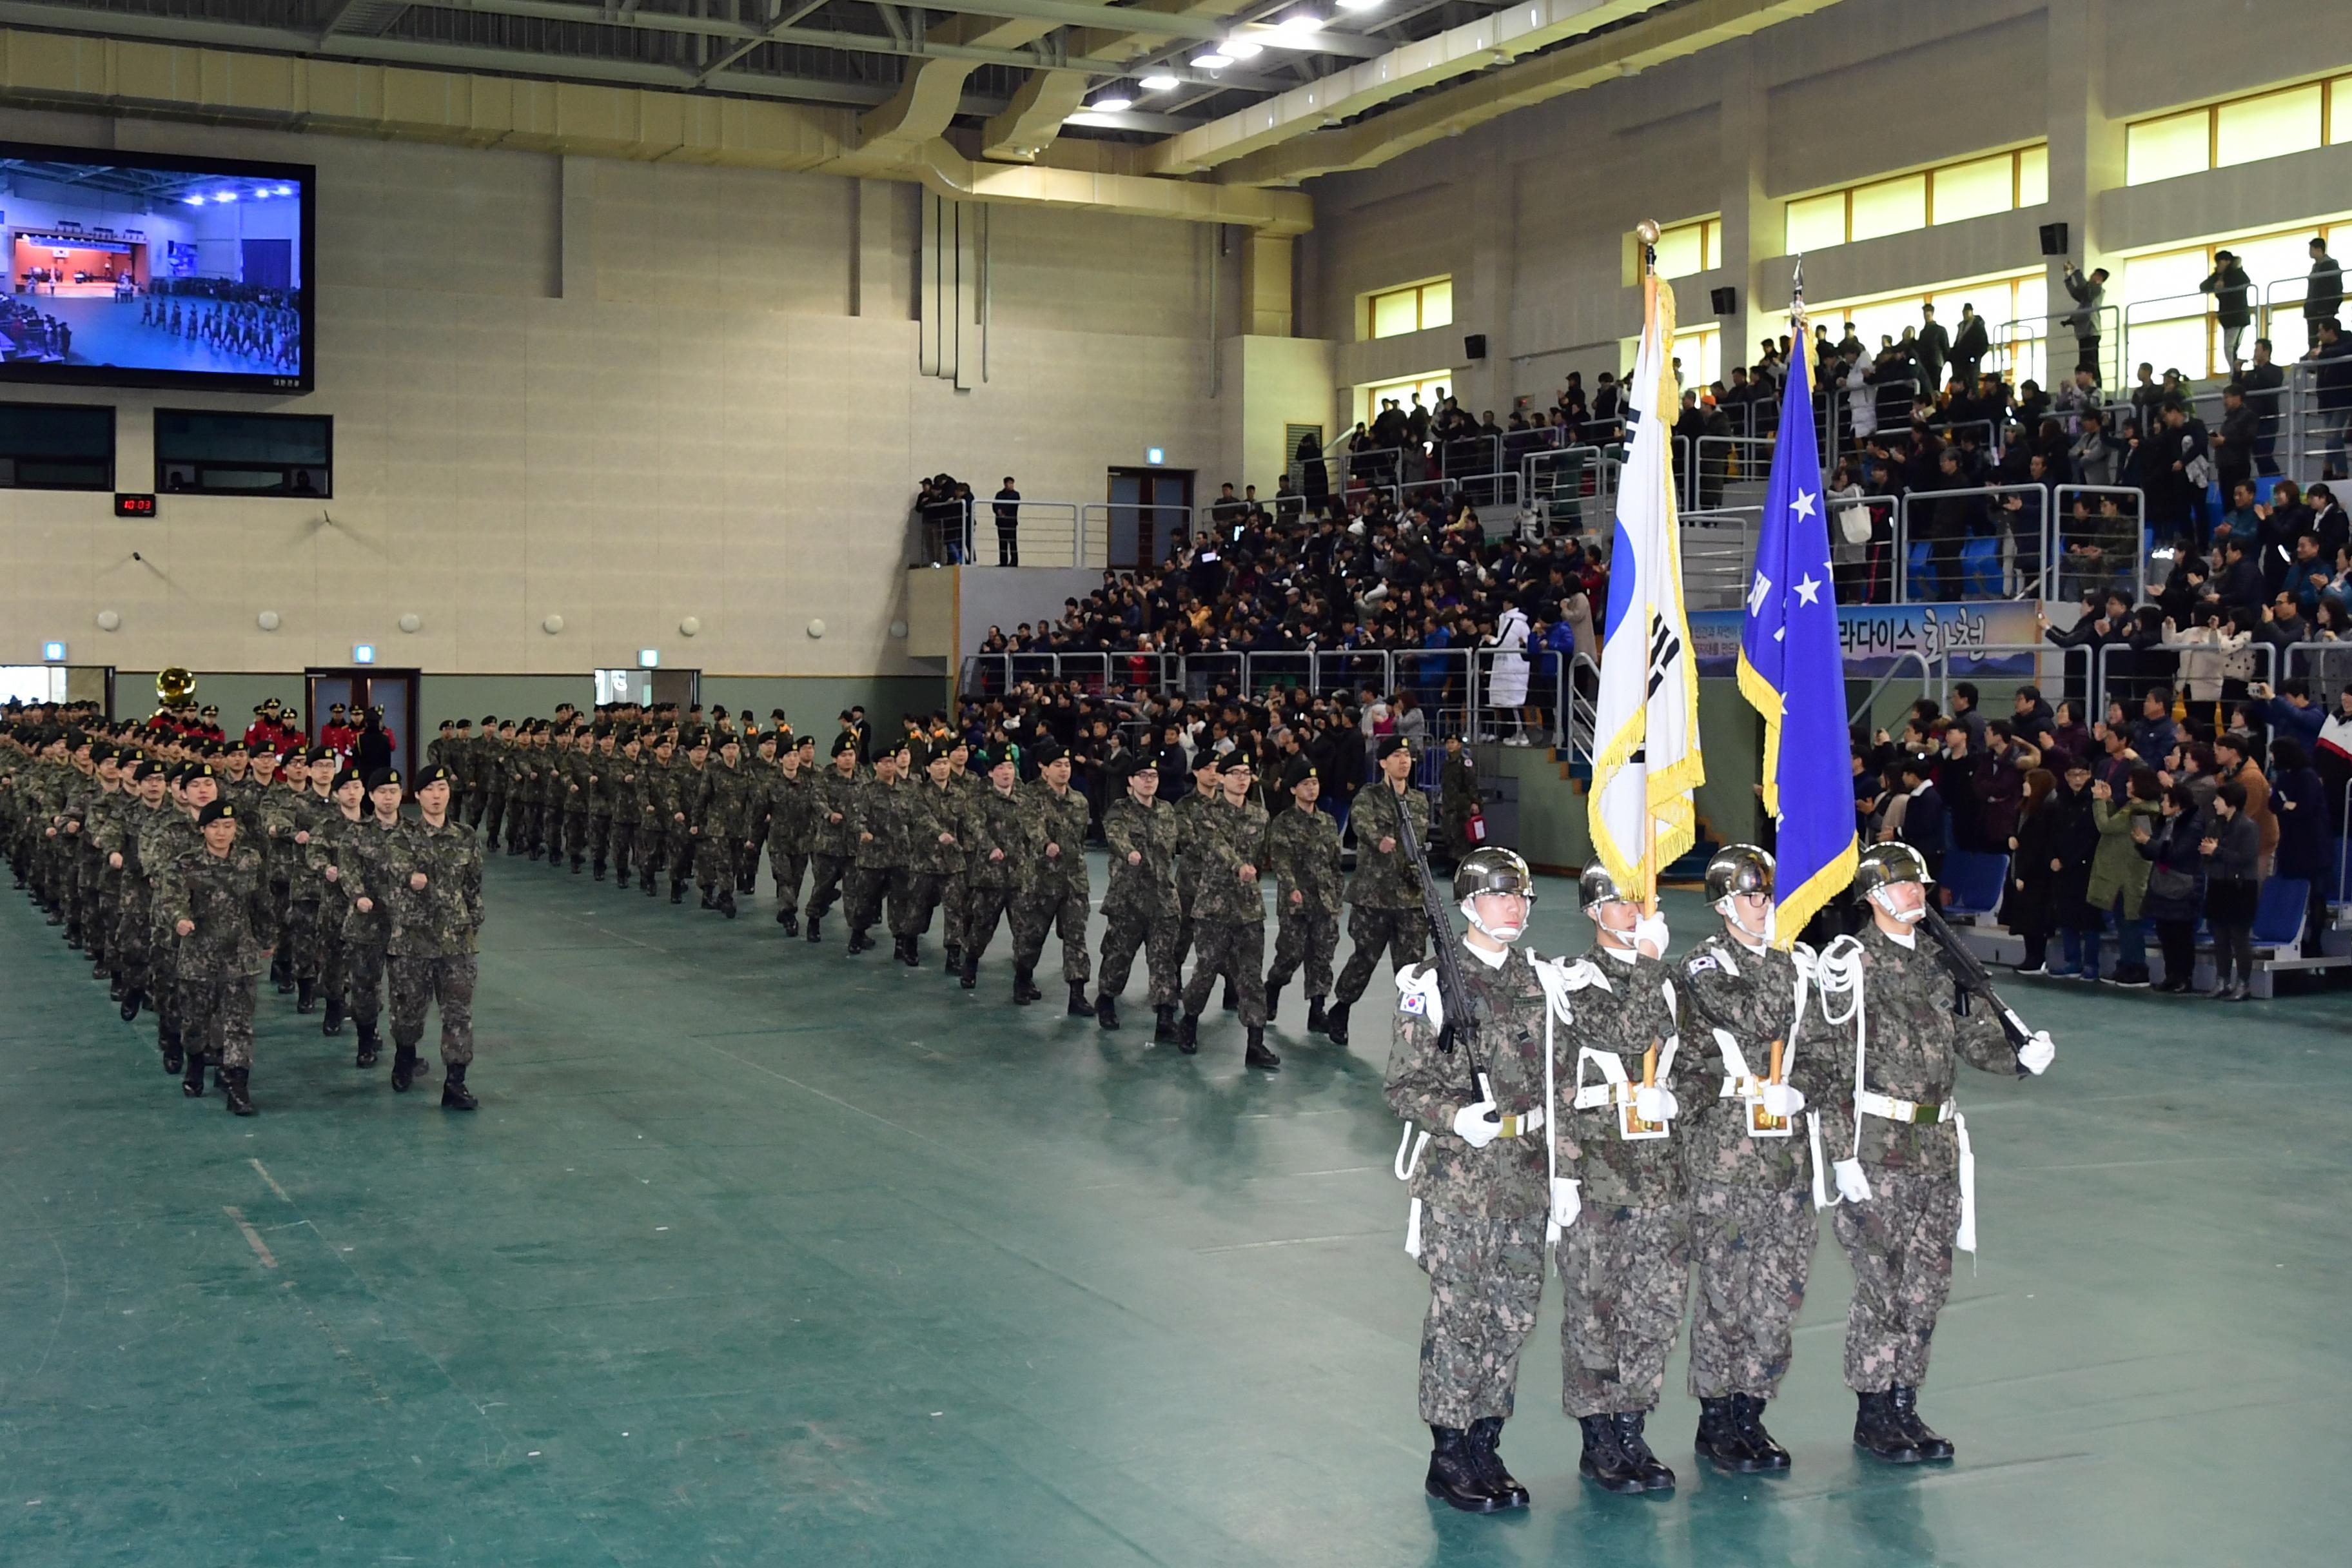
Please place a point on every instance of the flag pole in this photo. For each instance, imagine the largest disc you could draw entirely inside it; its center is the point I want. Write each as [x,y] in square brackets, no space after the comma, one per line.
[1646,231]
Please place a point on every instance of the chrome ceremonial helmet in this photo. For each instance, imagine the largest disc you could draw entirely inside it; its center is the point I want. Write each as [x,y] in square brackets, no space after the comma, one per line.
[1739,869]
[1490,871]
[1595,887]
[1884,865]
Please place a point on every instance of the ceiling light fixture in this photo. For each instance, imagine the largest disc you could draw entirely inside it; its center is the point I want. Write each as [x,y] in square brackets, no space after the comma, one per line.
[1357,4]
[1241,48]
[1211,61]
[1114,104]
[1159,83]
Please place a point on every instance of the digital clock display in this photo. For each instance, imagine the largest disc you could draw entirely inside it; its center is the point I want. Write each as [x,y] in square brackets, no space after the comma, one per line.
[135,506]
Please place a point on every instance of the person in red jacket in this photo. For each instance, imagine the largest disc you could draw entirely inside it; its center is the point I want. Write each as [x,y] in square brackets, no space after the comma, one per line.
[338,736]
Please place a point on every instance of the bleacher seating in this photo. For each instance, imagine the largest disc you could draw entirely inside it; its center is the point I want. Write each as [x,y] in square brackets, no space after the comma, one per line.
[1974,878]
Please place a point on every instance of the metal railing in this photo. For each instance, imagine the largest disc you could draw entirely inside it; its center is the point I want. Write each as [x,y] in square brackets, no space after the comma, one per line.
[1975,573]
[1574,715]
[1725,461]
[1571,489]
[1719,555]
[2032,338]
[2104,552]
[1104,527]
[2326,665]
[1867,707]
[2128,690]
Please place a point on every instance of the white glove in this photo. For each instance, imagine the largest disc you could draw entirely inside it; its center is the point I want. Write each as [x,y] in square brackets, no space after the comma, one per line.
[1470,1124]
[1852,1185]
[1652,1103]
[1781,1101]
[1650,935]
[2037,1053]
[1565,1204]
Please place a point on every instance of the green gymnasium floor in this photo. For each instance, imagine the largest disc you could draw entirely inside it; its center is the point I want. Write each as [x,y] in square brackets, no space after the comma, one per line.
[756,1254]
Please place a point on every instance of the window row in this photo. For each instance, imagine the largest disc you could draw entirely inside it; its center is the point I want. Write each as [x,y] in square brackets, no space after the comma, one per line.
[2241,130]
[1951,192]
[71,447]
[2171,322]
[1410,308]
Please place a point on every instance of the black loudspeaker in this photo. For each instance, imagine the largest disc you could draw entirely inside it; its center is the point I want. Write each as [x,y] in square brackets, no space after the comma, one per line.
[2054,239]
[1726,301]
[1475,345]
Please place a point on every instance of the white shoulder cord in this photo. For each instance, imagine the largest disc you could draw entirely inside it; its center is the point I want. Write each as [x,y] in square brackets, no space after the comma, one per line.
[1838,972]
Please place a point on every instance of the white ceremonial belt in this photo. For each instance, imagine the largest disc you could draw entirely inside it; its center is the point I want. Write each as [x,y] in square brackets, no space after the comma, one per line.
[1871,1103]
[1741,1088]
[1593,1096]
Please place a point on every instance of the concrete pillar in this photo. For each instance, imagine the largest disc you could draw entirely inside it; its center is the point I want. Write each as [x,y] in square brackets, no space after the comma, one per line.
[2086,156]
[1265,287]
[1485,305]
[882,271]
[1754,226]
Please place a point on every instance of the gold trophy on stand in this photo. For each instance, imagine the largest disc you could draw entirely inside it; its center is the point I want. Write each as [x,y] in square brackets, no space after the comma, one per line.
[175,688]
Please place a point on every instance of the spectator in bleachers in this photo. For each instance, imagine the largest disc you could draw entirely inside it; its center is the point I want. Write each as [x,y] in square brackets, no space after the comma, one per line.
[2231,289]
[2233,759]
[2175,894]
[2323,290]
[2036,859]
[1008,525]
[2264,383]
[2305,848]
[2232,849]
[2120,814]
[2078,838]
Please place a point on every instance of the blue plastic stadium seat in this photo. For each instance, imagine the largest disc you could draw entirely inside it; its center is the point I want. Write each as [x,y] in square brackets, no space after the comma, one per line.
[1975,879]
[2278,917]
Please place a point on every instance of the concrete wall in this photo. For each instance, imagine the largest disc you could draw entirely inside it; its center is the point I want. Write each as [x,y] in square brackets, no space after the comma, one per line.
[625,395]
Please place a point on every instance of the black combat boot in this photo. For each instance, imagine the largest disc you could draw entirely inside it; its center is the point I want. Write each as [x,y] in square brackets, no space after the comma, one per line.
[727,903]
[1748,1410]
[970,976]
[677,893]
[455,1095]
[170,1046]
[192,1079]
[370,1045]
[114,986]
[1187,1034]
[332,1024]
[1024,992]
[281,972]
[1259,1055]
[1107,1011]
[1315,1017]
[1923,1437]
[1720,1441]
[73,935]
[858,940]
[814,934]
[1273,1001]
[1233,1003]
[790,919]
[403,1068]
[306,993]
[1335,1023]
[647,884]
[133,999]
[1486,1437]
[1655,1475]
[1879,1430]
[577,862]
[536,851]
[233,1090]
[1454,1473]
[600,872]
[1164,1024]
[1079,1006]
[706,902]
[1604,1460]
[955,959]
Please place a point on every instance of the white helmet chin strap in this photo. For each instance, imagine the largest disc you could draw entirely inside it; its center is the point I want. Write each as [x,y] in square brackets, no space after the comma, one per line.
[1909,917]
[1729,908]
[1503,933]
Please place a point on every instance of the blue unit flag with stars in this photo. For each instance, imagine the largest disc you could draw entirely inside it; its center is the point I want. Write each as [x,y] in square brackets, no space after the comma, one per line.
[1793,672]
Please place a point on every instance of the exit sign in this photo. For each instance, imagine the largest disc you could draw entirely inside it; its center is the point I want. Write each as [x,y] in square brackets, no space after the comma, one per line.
[134,505]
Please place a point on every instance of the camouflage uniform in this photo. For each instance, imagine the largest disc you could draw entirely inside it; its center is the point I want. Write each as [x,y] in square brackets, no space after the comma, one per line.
[362,871]
[930,810]
[1304,849]
[1385,890]
[726,817]
[832,843]
[789,831]
[432,944]
[1188,864]
[1057,893]
[162,837]
[1900,1241]
[996,833]
[134,941]
[1228,913]
[605,764]
[305,891]
[227,899]
[1753,1226]
[966,787]
[328,845]
[489,786]
[692,800]
[1624,1265]
[1479,1212]
[1457,800]
[1140,907]
[877,865]
[625,811]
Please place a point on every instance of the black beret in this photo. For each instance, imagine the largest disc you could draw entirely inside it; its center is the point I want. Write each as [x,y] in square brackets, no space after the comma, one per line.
[343,776]
[218,811]
[1299,771]
[195,770]
[1049,752]
[434,774]
[318,754]
[381,777]
[1234,761]
[146,770]
[845,741]
[1391,744]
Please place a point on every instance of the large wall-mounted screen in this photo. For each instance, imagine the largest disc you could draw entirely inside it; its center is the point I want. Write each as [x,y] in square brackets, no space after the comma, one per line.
[141,269]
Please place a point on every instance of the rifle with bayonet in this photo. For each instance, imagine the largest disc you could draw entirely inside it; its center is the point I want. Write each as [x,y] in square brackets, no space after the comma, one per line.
[1460,1026]
[1968,969]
